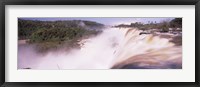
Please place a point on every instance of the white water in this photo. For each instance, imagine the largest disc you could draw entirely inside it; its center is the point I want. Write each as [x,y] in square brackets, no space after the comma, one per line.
[113,46]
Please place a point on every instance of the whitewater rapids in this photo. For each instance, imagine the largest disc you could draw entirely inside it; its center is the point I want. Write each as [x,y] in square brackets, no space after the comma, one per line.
[113,48]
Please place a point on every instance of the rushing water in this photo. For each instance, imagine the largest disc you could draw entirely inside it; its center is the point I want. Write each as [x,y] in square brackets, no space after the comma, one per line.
[113,48]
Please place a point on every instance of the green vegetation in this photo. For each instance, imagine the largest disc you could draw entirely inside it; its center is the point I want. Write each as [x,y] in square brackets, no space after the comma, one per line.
[163,26]
[56,34]
[27,27]
[176,23]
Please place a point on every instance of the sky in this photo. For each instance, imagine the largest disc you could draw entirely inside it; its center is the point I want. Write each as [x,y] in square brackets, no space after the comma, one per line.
[105,20]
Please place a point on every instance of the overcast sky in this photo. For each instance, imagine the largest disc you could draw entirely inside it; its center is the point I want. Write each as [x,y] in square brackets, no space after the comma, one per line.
[105,20]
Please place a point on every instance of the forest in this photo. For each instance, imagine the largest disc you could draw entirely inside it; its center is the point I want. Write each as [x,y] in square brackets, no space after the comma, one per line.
[54,34]
[163,25]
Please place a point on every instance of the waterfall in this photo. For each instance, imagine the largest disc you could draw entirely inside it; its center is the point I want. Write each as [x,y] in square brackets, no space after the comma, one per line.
[114,48]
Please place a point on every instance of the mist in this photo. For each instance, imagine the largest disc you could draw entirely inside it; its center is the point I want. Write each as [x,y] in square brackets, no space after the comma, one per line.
[113,47]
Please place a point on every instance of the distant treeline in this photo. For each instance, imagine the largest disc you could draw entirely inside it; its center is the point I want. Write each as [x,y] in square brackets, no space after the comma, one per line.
[164,25]
[52,34]
[27,27]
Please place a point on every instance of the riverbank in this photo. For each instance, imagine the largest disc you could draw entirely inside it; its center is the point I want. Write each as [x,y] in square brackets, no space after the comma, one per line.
[174,38]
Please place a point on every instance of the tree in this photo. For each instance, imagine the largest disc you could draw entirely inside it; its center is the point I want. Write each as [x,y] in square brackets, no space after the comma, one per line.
[164,25]
[176,23]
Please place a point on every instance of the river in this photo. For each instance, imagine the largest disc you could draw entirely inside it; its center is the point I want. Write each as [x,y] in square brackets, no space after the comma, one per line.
[114,48]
